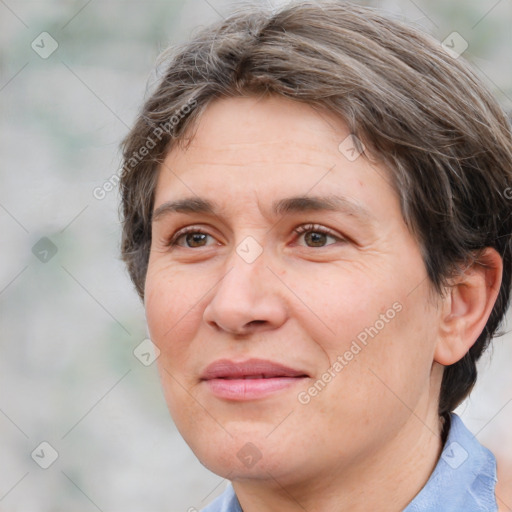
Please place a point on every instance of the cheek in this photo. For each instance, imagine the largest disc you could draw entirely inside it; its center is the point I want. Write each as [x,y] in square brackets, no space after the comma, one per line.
[386,365]
[384,334]
[340,305]
[172,319]
[172,313]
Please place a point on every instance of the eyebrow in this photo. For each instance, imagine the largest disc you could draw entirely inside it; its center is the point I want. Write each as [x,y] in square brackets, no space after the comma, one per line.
[280,207]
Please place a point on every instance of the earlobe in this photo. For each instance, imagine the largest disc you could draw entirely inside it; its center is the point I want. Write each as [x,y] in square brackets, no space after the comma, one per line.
[467,306]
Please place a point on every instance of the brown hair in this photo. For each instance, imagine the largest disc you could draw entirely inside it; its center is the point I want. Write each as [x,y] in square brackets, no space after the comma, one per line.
[421,112]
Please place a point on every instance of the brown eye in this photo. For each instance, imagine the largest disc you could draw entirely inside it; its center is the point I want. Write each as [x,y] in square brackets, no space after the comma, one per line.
[193,238]
[316,236]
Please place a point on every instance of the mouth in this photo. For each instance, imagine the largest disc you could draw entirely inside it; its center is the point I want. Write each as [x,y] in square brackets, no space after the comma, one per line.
[249,380]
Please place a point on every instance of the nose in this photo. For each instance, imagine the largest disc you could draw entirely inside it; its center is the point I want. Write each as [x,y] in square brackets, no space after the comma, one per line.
[248,298]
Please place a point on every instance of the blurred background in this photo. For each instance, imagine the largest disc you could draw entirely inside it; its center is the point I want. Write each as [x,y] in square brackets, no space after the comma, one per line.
[73,74]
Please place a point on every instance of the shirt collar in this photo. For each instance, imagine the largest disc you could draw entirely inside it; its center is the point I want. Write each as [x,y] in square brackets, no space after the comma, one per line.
[464,477]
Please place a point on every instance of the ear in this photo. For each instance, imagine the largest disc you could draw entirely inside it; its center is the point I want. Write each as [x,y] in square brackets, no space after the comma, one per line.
[467,307]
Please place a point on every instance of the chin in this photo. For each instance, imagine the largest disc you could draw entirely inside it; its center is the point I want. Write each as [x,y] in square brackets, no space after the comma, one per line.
[250,455]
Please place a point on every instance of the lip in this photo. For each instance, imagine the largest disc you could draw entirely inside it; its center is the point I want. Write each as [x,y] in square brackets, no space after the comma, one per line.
[250,379]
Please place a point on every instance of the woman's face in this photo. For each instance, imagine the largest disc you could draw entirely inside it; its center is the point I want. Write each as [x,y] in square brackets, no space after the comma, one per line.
[297,336]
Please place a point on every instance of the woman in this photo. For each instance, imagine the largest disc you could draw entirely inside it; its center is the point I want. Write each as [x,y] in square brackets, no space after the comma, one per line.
[316,217]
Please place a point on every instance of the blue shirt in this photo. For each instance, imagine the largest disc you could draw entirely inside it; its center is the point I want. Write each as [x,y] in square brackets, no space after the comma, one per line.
[463,480]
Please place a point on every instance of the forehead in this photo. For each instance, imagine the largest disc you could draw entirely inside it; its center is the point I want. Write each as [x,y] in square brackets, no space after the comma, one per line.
[229,126]
[272,146]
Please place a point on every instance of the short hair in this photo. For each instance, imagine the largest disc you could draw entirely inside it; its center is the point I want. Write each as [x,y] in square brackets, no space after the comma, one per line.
[421,112]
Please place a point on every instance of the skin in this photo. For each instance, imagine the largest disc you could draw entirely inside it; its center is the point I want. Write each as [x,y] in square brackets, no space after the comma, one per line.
[371,438]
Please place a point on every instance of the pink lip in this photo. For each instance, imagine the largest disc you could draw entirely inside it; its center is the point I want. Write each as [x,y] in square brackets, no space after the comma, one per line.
[249,380]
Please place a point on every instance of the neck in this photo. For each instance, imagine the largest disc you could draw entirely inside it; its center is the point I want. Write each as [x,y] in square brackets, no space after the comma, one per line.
[386,480]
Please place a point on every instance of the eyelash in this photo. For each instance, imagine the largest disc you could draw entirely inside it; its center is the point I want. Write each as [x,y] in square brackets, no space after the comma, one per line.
[299,231]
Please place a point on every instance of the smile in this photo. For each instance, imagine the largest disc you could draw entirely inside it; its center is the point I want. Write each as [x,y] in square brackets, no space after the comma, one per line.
[249,380]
